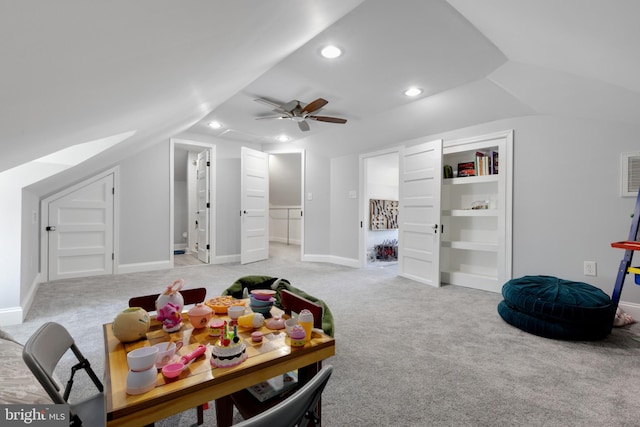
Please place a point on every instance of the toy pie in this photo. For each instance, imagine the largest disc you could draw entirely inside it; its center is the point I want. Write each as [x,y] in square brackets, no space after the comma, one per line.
[221,304]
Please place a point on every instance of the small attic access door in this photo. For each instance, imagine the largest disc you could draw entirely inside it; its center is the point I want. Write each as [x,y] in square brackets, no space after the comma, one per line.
[78,229]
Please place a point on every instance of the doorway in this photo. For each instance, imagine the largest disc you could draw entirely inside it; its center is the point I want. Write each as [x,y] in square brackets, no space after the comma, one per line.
[193,201]
[380,172]
[286,205]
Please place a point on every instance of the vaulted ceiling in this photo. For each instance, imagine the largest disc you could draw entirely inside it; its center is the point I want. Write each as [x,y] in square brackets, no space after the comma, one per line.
[76,71]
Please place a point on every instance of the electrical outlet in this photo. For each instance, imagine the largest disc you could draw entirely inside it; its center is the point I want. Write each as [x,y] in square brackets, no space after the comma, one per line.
[590,268]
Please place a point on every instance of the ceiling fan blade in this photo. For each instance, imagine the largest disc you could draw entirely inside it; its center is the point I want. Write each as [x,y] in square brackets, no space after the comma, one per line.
[290,106]
[327,119]
[304,126]
[314,105]
[272,117]
[276,107]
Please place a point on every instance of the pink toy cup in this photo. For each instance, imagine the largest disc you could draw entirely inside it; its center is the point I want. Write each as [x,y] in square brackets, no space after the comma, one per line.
[166,354]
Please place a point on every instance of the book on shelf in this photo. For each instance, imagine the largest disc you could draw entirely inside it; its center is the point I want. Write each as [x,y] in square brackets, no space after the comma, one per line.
[466,169]
[494,162]
[482,163]
[274,386]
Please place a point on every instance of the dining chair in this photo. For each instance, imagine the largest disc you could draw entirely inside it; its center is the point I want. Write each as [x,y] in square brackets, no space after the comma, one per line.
[293,303]
[43,352]
[243,400]
[299,409]
[148,302]
[190,296]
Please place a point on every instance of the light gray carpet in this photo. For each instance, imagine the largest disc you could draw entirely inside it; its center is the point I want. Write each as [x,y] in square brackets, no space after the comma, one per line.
[407,354]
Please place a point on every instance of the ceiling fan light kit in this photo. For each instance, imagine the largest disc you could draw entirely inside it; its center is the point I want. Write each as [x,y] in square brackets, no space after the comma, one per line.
[294,111]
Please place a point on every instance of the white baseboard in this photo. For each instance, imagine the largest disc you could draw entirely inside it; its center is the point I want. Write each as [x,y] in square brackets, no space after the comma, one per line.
[11,316]
[15,315]
[331,259]
[31,295]
[144,266]
[631,309]
[225,259]
[284,240]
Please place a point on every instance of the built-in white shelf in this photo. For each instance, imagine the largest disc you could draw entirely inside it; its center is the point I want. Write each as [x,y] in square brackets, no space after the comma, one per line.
[471,246]
[470,212]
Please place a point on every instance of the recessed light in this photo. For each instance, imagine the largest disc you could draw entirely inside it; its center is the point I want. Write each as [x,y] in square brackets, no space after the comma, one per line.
[413,91]
[283,138]
[331,52]
[215,125]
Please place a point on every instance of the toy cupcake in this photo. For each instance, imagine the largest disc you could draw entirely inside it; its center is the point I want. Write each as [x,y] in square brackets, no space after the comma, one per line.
[297,336]
[215,327]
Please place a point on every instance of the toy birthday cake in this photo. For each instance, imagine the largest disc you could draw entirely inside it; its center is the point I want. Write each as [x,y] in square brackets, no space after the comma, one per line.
[229,350]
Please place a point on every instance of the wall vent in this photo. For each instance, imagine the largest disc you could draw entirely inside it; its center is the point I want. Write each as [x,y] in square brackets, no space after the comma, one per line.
[630,174]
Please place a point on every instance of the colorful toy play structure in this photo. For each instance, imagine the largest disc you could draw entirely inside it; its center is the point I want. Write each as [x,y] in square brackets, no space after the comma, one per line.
[630,245]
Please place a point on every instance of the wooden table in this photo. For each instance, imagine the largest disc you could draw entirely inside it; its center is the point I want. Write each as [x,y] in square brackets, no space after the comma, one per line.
[200,382]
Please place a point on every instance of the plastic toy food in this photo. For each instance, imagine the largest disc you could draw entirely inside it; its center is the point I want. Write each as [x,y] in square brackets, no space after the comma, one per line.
[297,336]
[251,320]
[221,304]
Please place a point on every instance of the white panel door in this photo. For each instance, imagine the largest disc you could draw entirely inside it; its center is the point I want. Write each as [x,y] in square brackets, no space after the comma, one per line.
[81,231]
[419,213]
[254,205]
[203,205]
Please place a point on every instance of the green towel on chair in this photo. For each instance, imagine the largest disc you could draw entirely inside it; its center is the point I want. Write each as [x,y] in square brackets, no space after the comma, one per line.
[276,284]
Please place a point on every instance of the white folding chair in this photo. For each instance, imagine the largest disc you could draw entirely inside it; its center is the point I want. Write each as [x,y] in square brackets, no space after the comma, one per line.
[299,409]
[43,352]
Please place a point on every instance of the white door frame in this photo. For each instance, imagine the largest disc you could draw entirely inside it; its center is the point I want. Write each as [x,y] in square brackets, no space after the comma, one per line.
[364,203]
[302,190]
[199,146]
[204,237]
[44,219]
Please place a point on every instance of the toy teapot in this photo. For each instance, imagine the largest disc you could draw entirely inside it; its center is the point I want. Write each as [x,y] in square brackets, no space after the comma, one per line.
[172,295]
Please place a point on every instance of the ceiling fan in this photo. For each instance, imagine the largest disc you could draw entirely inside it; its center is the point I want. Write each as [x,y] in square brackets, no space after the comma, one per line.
[293,110]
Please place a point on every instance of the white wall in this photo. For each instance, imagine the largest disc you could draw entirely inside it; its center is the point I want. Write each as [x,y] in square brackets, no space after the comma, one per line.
[30,247]
[19,238]
[285,179]
[317,210]
[228,207]
[144,208]
[345,221]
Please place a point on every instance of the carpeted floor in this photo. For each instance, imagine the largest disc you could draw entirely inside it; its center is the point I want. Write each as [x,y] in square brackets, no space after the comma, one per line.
[407,354]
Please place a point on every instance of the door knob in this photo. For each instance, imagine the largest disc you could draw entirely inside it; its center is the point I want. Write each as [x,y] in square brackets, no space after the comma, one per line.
[51,228]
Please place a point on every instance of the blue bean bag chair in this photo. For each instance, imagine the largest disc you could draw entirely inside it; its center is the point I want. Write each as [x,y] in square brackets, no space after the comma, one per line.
[556,308]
